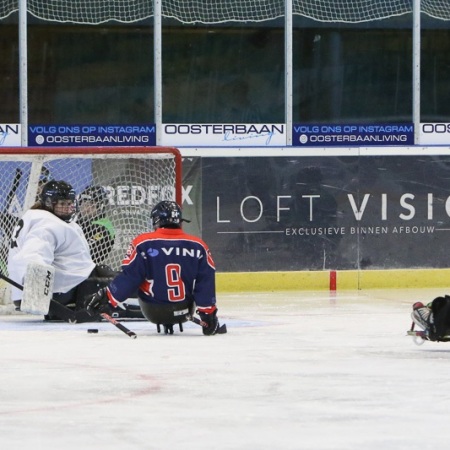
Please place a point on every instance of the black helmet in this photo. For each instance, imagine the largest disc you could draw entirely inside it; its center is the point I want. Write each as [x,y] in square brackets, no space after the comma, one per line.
[166,214]
[53,191]
[96,194]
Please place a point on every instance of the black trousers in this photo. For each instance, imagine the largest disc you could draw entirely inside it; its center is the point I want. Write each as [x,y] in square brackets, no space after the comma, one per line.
[75,298]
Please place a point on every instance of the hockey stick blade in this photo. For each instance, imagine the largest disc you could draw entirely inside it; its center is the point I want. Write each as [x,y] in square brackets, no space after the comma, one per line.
[221,330]
[117,324]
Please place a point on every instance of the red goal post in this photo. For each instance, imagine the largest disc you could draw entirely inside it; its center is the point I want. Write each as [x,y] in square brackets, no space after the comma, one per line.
[133,180]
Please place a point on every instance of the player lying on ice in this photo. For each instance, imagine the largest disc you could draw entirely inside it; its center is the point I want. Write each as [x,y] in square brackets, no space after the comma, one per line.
[47,235]
[169,269]
[433,318]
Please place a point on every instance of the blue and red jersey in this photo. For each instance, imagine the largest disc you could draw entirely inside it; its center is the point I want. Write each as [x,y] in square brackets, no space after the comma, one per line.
[166,265]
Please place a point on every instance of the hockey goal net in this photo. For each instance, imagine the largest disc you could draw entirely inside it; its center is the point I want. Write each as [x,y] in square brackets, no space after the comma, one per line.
[223,11]
[132,180]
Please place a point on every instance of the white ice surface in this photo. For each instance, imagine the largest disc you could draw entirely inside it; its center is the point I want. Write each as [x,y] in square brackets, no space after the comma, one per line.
[297,370]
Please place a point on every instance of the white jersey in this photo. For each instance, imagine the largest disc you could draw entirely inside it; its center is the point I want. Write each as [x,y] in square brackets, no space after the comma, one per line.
[43,238]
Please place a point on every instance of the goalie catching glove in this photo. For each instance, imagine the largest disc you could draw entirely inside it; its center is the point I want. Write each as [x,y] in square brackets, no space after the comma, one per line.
[209,317]
[100,303]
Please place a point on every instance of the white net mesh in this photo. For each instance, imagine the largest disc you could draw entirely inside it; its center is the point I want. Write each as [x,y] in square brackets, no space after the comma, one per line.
[219,11]
[7,7]
[91,12]
[439,9]
[351,10]
[132,184]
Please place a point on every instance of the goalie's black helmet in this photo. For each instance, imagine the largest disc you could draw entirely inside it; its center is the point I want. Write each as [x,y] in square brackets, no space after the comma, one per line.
[166,214]
[52,192]
[96,194]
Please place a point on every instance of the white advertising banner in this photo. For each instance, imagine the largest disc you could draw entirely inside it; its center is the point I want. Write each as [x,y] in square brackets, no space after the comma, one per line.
[434,134]
[10,135]
[224,135]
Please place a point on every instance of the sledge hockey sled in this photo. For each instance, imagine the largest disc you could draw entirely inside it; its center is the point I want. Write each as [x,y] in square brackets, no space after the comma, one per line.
[420,336]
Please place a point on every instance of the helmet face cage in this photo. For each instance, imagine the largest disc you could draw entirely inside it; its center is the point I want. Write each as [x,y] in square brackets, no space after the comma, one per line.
[96,195]
[166,214]
[52,192]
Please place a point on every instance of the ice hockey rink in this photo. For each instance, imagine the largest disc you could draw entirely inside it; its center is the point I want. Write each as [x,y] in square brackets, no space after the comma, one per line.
[296,370]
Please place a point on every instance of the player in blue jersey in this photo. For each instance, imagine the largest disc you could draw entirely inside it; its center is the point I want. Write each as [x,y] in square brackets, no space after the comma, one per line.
[172,271]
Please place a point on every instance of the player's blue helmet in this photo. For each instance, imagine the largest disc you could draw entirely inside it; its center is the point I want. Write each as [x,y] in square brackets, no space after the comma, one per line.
[52,192]
[166,214]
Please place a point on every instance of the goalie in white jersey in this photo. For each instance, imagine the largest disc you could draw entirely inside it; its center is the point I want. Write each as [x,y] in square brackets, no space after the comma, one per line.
[47,234]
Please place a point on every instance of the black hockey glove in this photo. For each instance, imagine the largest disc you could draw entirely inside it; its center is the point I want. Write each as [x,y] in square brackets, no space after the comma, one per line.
[98,303]
[211,321]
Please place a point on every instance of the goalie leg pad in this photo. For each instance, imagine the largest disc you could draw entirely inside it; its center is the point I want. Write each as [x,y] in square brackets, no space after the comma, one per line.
[37,288]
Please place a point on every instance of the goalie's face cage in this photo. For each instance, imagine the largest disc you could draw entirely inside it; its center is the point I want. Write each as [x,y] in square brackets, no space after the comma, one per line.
[92,202]
[59,198]
[89,208]
[65,209]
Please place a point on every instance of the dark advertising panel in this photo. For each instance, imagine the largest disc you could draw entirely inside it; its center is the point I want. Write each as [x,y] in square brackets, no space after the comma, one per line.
[305,213]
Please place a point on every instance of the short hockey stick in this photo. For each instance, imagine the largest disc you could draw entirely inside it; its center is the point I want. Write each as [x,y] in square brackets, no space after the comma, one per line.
[222,329]
[5,216]
[67,314]
[117,324]
[12,192]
